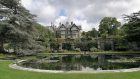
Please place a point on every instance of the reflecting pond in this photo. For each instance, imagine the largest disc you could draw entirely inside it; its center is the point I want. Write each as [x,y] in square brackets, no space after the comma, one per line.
[83,62]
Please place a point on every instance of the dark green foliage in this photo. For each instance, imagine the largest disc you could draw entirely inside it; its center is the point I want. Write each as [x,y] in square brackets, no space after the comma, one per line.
[93,33]
[54,46]
[107,46]
[121,44]
[132,28]
[67,46]
[4,29]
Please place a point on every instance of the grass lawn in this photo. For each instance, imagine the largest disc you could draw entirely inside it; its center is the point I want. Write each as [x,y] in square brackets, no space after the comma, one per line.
[8,73]
[4,55]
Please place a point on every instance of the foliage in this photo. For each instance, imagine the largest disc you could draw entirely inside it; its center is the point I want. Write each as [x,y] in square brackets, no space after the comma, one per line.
[93,33]
[85,46]
[94,49]
[44,34]
[4,29]
[121,43]
[132,27]
[48,50]
[67,46]
[17,28]
[77,50]
[54,46]
[108,26]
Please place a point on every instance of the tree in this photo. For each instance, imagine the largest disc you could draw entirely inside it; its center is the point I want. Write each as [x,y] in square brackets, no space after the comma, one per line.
[93,33]
[108,26]
[45,36]
[84,34]
[67,46]
[4,29]
[19,31]
[132,27]
[121,43]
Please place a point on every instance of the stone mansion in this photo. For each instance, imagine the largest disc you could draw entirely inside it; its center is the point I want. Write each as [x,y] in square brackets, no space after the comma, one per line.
[67,30]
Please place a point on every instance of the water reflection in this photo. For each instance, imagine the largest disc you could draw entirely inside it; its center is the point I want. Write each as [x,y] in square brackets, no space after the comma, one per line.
[81,63]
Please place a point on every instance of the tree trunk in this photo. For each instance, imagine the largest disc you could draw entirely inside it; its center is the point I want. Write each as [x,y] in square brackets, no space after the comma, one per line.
[112,45]
[1,47]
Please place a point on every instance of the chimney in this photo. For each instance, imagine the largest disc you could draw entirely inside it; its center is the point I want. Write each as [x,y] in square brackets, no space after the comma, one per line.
[67,23]
[71,23]
[60,24]
[51,24]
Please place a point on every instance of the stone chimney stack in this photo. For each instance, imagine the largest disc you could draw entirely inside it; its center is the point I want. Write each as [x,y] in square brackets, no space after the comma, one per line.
[71,23]
[60,24]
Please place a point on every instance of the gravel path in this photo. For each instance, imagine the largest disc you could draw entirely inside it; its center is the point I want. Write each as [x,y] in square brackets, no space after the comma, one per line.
[15,66]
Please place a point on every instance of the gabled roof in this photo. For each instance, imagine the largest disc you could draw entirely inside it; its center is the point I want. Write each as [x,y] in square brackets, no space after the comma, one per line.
[61,26]
[74,25]
[68,26]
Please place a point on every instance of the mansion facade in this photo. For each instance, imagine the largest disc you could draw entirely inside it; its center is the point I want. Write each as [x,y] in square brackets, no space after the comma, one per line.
[67,30]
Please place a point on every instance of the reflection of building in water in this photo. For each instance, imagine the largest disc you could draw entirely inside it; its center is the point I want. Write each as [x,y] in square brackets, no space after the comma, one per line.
[68,30]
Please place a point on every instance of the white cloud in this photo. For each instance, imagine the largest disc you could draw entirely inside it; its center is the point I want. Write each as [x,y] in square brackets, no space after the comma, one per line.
[26,3]
[60,19]
[85,25]
[87,13]
[48,12]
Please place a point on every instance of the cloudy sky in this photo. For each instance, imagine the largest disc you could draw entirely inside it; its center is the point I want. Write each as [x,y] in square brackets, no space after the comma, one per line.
[86,13]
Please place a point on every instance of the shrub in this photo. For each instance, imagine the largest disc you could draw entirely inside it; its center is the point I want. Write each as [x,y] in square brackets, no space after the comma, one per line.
[67,46]
[60,51]
[54,46]
[94,49]
[48,50]
[77,50]
[85,46]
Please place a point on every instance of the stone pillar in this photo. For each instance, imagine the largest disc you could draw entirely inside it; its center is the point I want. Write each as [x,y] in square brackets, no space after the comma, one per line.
[60,46]
[72,46]
[102,45]
[98,44]
[112,45]
[61,58]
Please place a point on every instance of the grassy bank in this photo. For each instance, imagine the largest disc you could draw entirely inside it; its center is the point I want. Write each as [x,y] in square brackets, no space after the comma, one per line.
[103,52]
[8,73]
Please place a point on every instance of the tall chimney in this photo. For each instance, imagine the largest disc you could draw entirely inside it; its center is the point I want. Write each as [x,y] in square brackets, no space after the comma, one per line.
[71,23]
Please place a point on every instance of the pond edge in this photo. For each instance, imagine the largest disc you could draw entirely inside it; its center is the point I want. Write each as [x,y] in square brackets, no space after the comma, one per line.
[15,66]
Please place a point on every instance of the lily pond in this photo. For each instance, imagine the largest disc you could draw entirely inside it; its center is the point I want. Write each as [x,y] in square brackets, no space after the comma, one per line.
[83,62]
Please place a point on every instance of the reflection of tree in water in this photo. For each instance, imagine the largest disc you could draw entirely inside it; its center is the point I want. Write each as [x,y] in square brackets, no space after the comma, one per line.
[72,62]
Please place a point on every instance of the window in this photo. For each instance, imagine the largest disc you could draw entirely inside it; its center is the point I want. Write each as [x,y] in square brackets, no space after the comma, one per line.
[62,36]
[63,32]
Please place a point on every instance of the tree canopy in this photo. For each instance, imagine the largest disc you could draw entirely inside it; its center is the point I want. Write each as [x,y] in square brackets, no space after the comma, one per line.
[132,27]
[17,28]
[108,26]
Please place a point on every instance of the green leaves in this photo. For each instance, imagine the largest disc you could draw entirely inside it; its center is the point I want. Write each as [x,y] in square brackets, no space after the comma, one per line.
[18,30]
[108,26]
[132,27]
